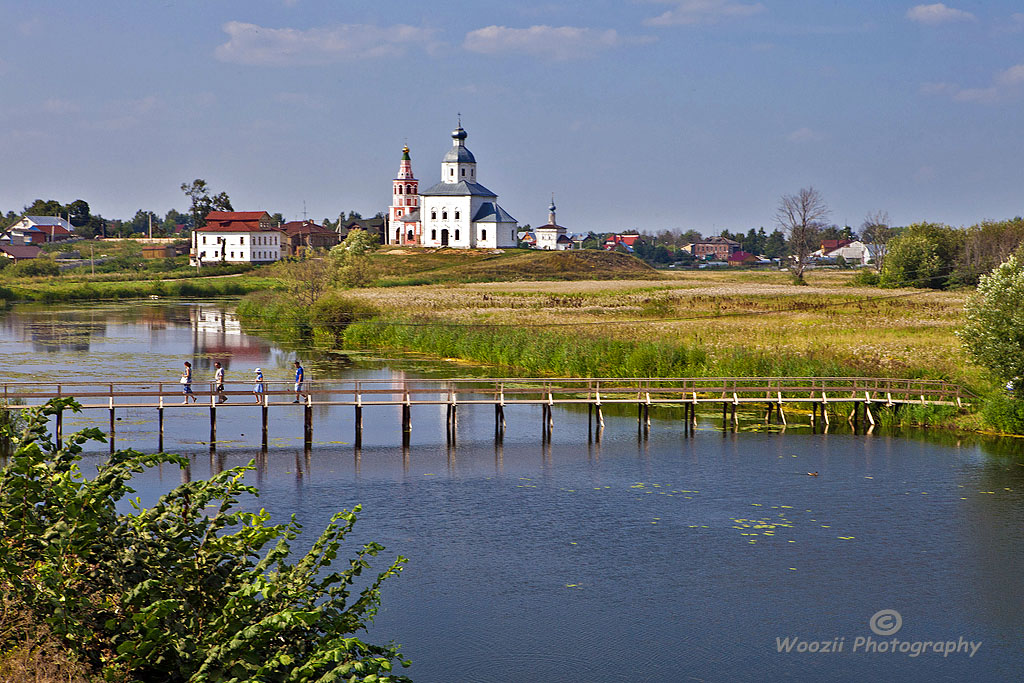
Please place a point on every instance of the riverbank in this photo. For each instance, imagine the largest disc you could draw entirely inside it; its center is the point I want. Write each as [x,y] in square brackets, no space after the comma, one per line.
[52,290]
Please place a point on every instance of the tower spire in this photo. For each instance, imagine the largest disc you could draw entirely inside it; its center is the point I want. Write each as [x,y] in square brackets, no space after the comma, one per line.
[551,211]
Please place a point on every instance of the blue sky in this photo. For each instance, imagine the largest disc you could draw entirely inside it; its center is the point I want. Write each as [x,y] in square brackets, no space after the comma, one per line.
[646,114]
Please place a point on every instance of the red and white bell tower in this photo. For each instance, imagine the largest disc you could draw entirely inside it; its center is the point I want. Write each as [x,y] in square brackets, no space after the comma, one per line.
[404,216]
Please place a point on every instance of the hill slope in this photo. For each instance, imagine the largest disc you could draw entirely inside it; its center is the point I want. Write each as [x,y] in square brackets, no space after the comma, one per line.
[404,266]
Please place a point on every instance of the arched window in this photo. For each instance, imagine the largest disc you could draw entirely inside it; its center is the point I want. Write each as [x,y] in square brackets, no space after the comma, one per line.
[444,215]
[451,171]
[463,173]
[433,235]
[483,234]
[204,239]
[456,235]
[408,189]
[398,212]
[398,189]
[456,215]
[409,236]
[433,215]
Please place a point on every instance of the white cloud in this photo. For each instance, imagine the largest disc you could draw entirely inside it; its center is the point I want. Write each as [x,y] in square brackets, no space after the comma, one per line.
[801,135]
[690,12]
[552,42]
[1012,76]
[258,46]
[937,14]
[1005,84]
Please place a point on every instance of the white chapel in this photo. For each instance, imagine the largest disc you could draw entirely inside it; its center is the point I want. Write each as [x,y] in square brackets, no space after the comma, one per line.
[457,212]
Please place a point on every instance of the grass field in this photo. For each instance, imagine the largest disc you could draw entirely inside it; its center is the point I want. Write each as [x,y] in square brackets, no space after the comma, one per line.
[754,316]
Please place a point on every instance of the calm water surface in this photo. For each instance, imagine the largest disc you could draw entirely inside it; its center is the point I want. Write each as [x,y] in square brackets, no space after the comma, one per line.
[671,559]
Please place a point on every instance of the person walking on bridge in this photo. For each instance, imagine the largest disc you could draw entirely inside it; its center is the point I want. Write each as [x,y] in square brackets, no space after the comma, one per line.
[186,383]
[218,380]
[258,387]
[300,381]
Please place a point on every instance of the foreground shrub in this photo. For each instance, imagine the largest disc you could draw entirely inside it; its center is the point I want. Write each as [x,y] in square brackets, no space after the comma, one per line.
[1005,413]
[188,590]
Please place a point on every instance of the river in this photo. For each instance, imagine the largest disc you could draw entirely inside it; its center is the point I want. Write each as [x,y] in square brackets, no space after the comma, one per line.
[713,557]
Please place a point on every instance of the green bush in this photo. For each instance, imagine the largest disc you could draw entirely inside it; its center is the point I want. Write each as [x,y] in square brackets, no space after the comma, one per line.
[35,267]
[865,278]
[191,589]
[1005,413]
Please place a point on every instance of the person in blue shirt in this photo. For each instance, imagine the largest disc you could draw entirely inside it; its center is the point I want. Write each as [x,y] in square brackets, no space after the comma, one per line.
[300,379]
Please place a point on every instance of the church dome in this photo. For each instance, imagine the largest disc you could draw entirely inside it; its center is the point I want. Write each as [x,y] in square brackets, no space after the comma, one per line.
[459,134]
[461,154]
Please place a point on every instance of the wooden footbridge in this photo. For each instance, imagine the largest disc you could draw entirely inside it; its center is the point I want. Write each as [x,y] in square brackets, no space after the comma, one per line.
[857,395]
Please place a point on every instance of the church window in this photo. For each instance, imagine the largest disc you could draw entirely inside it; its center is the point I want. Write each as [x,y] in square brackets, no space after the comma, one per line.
[433,215]
[451,171]
[204,239]
[456,215]
[433,235]
[463,173]
[241,240]
[483,234]
[408,189]
[456,235]
[444,215]
[398,212]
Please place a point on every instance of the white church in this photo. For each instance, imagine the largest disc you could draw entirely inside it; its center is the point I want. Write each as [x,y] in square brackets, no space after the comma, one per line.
[457,212]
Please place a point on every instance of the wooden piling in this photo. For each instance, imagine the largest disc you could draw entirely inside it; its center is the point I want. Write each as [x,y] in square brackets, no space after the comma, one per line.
[160,426]
[213,427]
[113,431]
[359,427]
[307,432]
[59,427]
[265,410]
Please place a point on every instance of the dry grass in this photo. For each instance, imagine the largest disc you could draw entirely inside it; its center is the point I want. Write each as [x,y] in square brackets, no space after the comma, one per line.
[891,332]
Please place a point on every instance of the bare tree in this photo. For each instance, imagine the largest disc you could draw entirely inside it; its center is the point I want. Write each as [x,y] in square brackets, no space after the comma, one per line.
[802,216]
[876,232]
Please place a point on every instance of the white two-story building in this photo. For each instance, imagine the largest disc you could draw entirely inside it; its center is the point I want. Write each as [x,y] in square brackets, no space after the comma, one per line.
[236,237]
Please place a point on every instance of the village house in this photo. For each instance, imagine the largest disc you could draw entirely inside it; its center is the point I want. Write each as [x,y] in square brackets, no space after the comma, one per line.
[716,248]
[236,237]
[38,230]
[20,252]
[300,235]
[627,241]
[853,252]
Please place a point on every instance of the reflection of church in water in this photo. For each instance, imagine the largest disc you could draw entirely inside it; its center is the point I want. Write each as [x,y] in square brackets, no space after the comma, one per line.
[457,212]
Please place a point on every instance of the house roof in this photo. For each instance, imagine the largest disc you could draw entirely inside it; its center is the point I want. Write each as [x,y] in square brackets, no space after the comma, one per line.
[235,215]
[742,256]
[490,212]
[412,217]
[462,188]
[20,251]
[829,245]
[305,228]
[235,221]
[47,220]
[549,226]
[562,239]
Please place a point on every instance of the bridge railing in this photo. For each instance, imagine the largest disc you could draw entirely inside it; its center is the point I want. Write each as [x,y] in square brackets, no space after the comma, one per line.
[498,390]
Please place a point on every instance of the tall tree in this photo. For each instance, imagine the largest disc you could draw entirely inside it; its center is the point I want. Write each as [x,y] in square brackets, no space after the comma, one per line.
[876,232]
[202,203]
[802,217]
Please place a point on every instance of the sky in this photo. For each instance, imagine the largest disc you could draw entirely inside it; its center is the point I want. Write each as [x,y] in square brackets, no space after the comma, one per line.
[647,114]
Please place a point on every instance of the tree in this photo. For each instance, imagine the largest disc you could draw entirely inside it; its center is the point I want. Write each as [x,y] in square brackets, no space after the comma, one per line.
[923,255]
[350,258]
[993,329]
[775,244]
[202,203]
[802,216]
[79,213]
[190,589]
[986,245]
[876,232]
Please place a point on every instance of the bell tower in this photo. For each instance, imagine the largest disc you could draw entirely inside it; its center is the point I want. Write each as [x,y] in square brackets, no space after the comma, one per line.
[405,201]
